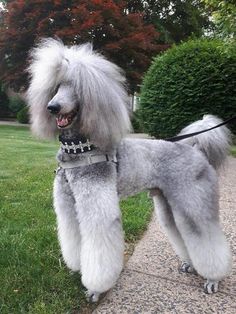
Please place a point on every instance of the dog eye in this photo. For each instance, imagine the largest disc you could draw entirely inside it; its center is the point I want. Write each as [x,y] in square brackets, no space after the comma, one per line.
[56,89]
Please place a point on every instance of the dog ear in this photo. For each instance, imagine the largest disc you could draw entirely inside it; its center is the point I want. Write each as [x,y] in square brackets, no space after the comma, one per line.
[100,88]
[98,84]
[46,68]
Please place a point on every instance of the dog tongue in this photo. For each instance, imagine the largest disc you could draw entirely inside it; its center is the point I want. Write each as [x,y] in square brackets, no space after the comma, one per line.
[62,121]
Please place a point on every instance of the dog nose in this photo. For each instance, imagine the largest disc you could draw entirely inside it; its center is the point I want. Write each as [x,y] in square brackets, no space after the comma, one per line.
[54,108]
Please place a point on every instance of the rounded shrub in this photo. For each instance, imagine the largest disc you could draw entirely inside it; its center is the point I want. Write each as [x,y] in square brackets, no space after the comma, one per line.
[136,122]
[23,116]
[187,81]
[16,104]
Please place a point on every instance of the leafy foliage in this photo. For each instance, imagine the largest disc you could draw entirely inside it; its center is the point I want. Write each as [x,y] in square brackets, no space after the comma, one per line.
[224,16]
[125,31]
[175,20]
[135,121]
[16,104]
[188,81]
[23,116]
[121,35]
[4,101]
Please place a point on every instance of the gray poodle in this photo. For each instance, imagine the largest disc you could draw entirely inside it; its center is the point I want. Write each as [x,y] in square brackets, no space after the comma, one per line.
[77,93]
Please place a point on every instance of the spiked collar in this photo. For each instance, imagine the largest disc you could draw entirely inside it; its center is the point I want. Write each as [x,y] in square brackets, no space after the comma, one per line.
[78,145]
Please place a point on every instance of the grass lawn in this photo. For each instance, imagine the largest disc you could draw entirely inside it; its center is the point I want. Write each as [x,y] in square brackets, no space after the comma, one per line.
[233,151]
[33,276]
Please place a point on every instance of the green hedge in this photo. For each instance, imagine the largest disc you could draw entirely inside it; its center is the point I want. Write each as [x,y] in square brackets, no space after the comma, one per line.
[136,122]
[16,104]
[195,78]
[23,116]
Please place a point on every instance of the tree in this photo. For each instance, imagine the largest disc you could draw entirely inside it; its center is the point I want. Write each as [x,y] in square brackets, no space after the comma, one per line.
[121,35]
[224,16]
[176,20]
[4,109]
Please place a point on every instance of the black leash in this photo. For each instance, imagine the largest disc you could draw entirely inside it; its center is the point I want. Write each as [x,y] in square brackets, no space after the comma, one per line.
[182,137]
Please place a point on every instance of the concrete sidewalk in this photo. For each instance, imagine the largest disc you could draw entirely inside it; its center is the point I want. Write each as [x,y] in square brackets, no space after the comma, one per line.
[150,282]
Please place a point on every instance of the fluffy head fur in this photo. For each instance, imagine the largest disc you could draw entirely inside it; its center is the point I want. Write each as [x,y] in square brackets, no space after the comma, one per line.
[98,86]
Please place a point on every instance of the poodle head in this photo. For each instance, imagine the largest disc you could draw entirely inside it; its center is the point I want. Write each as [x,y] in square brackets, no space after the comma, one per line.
[77,88]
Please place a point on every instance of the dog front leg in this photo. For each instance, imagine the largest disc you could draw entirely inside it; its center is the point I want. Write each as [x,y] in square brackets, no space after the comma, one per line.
[102,244]
[67,224]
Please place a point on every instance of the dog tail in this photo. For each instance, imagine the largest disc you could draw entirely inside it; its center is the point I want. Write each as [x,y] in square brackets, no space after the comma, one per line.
[214,144]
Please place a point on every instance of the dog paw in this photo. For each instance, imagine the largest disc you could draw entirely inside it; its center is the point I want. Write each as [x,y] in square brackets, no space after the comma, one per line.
[186,268]
[92,296]
[211,286]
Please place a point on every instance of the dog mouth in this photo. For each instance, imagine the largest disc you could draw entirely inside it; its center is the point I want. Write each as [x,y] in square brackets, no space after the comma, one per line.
[65,120]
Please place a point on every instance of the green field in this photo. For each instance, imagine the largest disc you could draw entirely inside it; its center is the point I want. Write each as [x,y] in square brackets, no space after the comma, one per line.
[33,276]
[233,151]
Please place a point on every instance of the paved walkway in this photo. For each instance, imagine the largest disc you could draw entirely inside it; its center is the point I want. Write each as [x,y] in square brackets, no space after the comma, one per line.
[150,282]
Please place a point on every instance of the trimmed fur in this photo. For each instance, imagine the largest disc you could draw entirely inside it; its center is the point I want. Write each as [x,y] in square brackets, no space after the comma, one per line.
[214,144]
[181,176]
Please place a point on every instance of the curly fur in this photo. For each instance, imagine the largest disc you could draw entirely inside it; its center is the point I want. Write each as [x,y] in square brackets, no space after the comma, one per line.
[215,145]
[181,176]
[98,85]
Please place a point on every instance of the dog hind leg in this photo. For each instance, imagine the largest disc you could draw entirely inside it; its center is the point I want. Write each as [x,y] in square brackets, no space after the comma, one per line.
[206,245]
[167,223]
[68,226]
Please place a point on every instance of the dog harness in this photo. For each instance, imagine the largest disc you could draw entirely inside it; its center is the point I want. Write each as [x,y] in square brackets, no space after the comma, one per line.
[89,160]
[81,146]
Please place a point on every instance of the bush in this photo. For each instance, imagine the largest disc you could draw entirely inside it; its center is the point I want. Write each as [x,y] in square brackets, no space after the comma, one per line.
[136,122]
[16,104]
[195,78]
[22,115]
[4,102]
